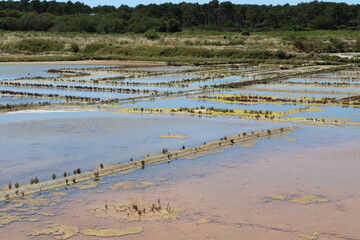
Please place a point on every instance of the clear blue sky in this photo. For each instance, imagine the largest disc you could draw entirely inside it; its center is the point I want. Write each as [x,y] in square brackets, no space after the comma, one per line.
[133,3]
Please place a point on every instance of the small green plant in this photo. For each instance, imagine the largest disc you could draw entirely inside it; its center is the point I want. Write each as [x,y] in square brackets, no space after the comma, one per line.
[32,181]
[74,180]
[78,171]
[151,35]
[164,151]
[10,186]
[101,166]
[74,48]
[53,176]
[183,147]
[17,185]
[142,164]
[65,174]
[36,180]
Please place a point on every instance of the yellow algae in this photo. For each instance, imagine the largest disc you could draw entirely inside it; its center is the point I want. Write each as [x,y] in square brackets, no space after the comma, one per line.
[249,144]
[287,139]
[59,194]
[131,185]
[45,213]
[201,221]
[180,136]
[308,199]
[161,179]
[313,236]
[136,210]
[57,229]
[7,219]
[112,232]
[89,185]
[33,220]
[229,165]
[277,196]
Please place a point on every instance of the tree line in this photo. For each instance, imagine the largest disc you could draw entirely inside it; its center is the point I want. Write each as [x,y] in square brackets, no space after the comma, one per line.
[55,16]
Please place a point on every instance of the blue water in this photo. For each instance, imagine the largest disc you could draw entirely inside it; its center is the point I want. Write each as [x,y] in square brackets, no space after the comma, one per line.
[10,72]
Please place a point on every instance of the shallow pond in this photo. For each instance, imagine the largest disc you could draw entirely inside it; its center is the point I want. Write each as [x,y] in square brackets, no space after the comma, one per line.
[225,195]
[8,72]
[63,141]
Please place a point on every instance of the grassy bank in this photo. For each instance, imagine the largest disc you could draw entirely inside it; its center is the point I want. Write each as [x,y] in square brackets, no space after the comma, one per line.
[187,46]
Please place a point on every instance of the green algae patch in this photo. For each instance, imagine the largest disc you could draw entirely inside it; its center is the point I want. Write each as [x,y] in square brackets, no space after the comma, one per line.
[309,199]
[202,221]
[111,232]
[179,136]
[60,231]
[277,196]
[306,199]
[229,165]
[131,185]
[313,236]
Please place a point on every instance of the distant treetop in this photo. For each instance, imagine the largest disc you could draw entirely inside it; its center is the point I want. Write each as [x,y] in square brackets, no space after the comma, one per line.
[39,15]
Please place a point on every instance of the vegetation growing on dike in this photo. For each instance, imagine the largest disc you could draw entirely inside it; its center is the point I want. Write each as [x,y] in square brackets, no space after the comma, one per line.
[27,189]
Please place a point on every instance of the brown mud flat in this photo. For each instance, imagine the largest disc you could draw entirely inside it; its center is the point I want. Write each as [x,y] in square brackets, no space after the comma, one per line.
[167,156]
[92,62]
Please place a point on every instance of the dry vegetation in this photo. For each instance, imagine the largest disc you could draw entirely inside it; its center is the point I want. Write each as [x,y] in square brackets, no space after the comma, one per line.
[177,47]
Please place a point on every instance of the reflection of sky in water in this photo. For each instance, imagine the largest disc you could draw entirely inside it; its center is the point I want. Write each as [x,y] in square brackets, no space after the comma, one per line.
[94,75]
[22,100]
[166,78]
[333,112]
[19,71]
[104,85]
[58,142]
[187,102]
[322,81]
[172,68]
[281,94]
[69,92]
[307,87]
